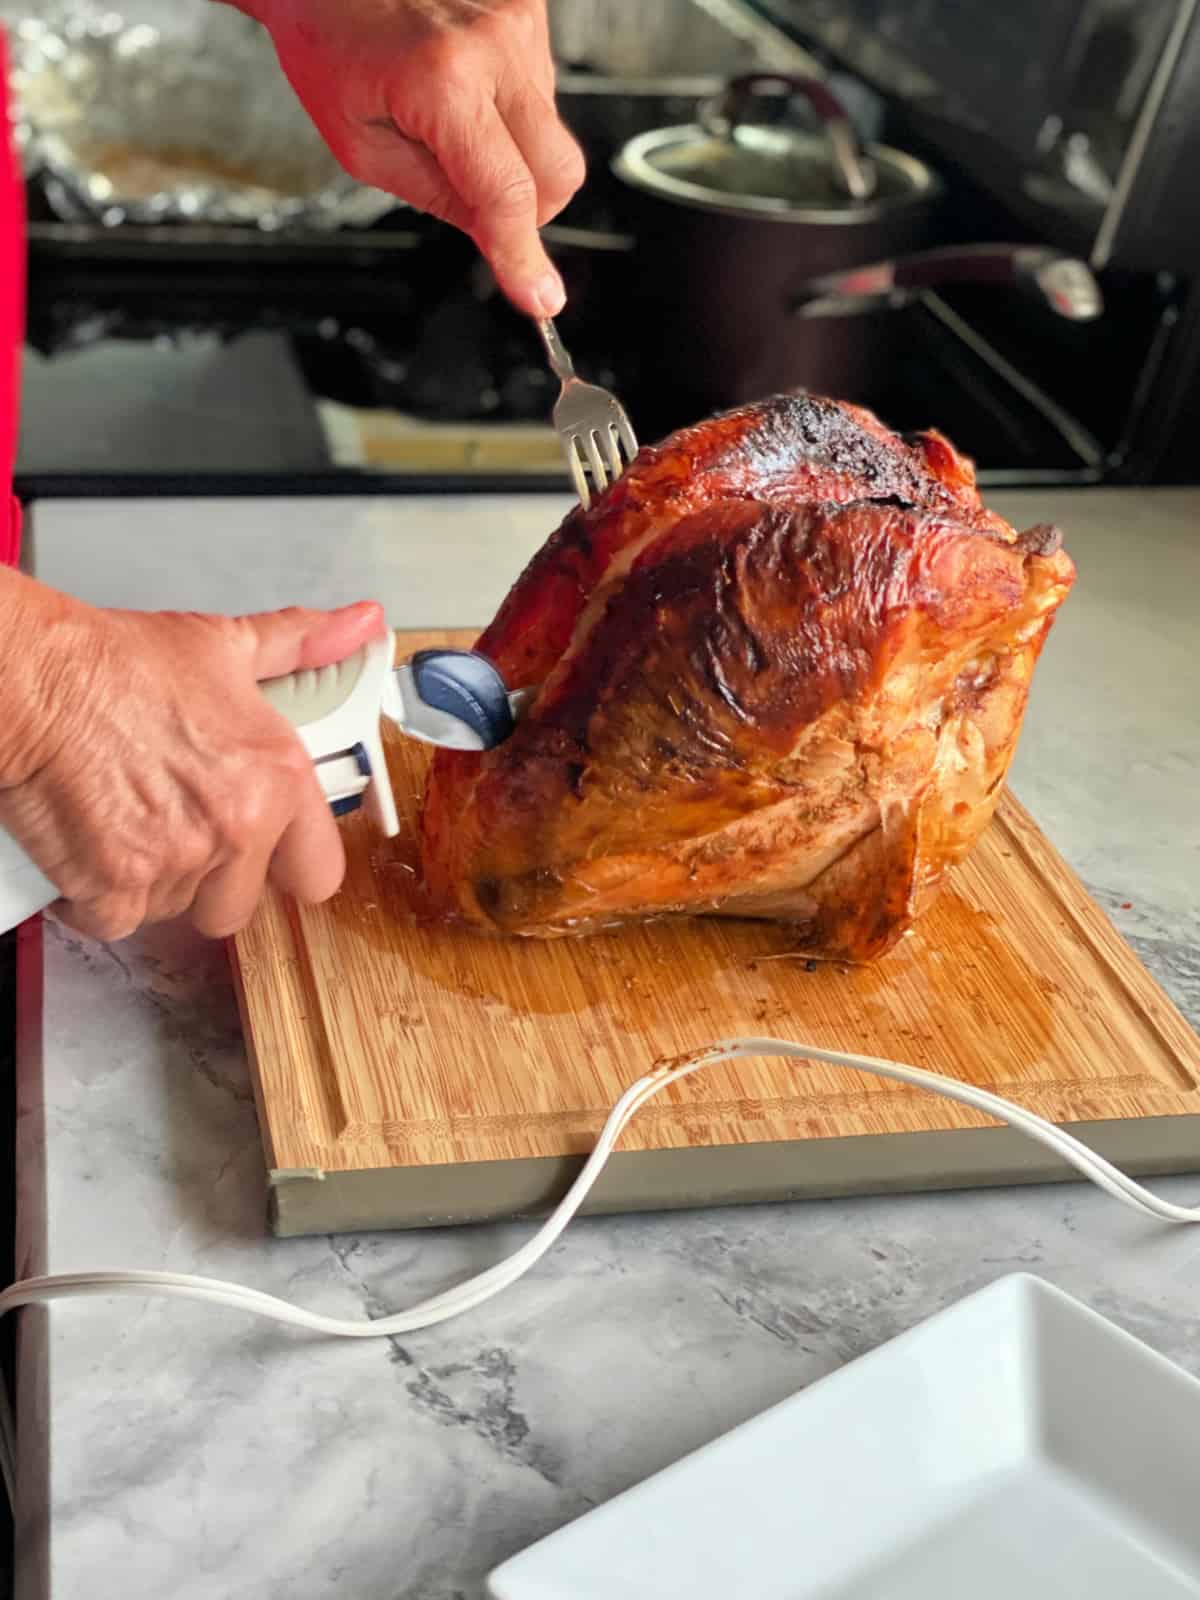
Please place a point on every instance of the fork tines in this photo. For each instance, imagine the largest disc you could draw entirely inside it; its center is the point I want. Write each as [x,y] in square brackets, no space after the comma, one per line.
[597,437]
[601,453]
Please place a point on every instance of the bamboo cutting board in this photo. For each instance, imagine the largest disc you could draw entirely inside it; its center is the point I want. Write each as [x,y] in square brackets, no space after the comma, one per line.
[408,1073]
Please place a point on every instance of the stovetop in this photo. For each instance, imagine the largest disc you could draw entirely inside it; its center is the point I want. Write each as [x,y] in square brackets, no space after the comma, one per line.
[215,361]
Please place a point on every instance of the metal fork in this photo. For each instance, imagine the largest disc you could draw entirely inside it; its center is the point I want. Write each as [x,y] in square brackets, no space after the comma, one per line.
[597,436]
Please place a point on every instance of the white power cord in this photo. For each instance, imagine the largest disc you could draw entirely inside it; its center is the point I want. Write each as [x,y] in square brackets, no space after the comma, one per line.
[466,1296]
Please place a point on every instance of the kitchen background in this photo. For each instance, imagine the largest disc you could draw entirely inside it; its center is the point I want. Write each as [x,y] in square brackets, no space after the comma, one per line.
[188,355]
[227,356]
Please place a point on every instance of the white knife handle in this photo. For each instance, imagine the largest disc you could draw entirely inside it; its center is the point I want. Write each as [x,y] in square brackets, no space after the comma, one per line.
[335,710]
[24,889]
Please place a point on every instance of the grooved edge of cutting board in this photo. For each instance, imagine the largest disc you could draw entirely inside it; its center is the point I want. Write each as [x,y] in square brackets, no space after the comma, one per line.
[384,1043]
[674,1180]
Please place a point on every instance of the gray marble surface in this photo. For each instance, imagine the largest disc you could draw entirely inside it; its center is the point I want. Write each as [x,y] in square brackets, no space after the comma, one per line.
[184,1451]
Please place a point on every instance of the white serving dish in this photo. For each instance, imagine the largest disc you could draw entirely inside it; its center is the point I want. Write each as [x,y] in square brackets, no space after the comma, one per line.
[1015,1447]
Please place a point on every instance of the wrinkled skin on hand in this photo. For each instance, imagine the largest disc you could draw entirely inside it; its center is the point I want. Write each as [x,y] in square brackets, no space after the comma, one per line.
[448,104]
[144,772]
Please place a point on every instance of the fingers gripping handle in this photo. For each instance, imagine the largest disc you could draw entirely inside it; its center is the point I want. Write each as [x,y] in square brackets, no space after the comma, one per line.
[335,710]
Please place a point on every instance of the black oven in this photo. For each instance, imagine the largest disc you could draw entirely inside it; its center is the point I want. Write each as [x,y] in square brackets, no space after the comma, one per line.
[1075,123]
[216,358]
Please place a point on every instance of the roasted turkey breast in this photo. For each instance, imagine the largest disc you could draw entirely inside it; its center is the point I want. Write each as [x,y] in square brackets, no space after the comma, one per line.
[783,664]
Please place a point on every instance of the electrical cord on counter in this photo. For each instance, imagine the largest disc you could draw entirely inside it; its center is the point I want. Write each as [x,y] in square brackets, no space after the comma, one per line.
[466,1296]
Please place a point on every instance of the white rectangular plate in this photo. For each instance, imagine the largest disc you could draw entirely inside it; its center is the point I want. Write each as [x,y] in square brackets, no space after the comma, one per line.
[1014,1447]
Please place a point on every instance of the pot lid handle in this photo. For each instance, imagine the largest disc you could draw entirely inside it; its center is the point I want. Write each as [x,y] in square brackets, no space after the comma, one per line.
[724,114]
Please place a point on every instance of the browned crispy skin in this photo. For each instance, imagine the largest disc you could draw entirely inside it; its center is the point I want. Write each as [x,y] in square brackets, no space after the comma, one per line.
[784,664]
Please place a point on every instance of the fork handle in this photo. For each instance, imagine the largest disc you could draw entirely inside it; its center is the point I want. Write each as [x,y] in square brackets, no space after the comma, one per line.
[561,364]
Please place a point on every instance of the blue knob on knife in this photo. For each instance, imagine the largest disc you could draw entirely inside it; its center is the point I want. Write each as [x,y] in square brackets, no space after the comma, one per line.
[465,686]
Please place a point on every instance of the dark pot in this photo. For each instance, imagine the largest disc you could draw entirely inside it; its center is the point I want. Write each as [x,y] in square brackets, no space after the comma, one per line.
[731,218]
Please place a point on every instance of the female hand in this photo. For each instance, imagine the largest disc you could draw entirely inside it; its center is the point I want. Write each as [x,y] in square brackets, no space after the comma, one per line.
[143,771]
[448,104]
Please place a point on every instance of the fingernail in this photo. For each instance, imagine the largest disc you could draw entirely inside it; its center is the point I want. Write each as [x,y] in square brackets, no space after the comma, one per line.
[549,294]
[374,611]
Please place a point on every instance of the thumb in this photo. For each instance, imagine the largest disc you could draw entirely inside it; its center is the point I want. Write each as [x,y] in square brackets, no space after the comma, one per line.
[286,641]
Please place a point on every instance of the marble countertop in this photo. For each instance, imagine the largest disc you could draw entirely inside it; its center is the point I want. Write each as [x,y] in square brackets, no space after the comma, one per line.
[183,1451]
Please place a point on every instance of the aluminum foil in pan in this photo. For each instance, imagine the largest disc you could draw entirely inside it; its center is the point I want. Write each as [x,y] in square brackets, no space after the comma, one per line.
[125,123]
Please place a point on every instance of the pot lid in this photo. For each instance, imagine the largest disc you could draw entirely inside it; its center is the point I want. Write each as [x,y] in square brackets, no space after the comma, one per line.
[730,164]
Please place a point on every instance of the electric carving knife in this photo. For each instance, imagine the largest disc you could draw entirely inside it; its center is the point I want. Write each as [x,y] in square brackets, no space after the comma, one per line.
[452,698]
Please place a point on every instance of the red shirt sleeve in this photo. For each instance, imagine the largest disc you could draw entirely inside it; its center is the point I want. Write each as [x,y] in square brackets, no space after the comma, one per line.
[12,316]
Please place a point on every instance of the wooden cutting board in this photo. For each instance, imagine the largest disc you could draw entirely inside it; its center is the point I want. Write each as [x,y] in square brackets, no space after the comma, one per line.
[408,1073]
